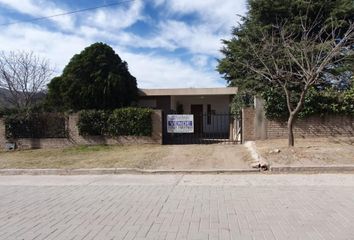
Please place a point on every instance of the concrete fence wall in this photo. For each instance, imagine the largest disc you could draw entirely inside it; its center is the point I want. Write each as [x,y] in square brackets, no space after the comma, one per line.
[74,138]
[257,127]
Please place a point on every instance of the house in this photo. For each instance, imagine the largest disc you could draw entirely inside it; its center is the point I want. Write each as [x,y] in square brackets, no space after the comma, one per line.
[210,108]
[188,100]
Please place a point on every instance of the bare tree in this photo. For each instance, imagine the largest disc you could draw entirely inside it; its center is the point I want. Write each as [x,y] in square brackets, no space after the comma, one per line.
[297,61]
[24,75]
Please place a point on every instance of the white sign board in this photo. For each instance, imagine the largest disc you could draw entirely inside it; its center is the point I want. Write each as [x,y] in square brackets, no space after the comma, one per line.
[180,123]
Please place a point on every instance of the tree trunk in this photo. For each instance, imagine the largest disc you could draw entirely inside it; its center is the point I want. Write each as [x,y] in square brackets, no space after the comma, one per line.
[290,130]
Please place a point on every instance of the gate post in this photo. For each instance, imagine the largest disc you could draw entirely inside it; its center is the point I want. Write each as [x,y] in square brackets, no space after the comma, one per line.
[248,128]
[157,126]
[231,127]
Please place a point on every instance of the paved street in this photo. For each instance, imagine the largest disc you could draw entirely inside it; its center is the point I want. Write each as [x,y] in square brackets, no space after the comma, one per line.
[252,206]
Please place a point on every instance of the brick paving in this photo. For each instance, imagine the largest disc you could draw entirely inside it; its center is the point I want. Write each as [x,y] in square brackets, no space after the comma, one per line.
[178,207]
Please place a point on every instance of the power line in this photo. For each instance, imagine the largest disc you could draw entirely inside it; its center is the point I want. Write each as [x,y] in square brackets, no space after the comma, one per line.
[68,13]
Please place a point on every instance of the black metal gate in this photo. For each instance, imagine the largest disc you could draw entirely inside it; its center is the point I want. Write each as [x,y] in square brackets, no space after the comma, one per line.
[208,129]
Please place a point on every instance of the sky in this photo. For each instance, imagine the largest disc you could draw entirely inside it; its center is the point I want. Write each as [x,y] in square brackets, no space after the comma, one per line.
[166,43]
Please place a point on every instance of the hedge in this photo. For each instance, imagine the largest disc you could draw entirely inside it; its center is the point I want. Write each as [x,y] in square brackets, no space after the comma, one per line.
[326,101]
[92,122]
[121,122]
[130,122]
[35,125]
[8,111]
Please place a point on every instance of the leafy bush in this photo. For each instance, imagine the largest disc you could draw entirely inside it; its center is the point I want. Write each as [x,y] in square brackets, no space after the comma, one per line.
[240,101]
[92,122]
[7,111]
[121,122]
[325,101]
[275,104]
[35,125]
[130,122]
[348,101]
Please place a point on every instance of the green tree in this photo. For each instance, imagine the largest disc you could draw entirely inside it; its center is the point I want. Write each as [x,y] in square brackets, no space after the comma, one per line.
[289,47]
[262,16]
[96,78]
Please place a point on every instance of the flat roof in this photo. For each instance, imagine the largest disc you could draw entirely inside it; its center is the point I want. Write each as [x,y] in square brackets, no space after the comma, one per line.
[188,91]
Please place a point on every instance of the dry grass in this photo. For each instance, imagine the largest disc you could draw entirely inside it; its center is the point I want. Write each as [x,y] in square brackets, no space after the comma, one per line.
[139,156]
[135,156]
[311,151]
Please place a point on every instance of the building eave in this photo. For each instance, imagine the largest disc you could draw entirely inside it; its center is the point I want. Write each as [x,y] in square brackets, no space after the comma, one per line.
[188,91]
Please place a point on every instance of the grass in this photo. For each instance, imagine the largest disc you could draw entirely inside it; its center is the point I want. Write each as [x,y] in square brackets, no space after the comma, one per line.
[102,156]
[87,149]
[132,156]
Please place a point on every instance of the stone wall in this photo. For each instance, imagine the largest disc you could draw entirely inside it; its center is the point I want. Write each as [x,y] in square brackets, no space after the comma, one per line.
[257,127]
[248,124]
[74,138]
[314,126]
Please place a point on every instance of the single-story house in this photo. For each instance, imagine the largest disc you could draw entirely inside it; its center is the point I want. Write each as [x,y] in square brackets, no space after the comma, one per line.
[210,107]
[188,100]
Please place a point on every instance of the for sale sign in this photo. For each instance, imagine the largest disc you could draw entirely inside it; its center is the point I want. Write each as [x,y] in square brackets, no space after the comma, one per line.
[180,123]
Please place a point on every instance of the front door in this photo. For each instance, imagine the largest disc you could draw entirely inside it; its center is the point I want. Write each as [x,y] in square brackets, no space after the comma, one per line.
[197,111]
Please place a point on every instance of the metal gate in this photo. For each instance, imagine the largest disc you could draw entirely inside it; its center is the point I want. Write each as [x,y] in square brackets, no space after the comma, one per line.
[207,129]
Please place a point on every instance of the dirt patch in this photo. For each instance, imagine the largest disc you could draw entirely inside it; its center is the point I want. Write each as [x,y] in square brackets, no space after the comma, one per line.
[213,156]
[308,152]
[133,156]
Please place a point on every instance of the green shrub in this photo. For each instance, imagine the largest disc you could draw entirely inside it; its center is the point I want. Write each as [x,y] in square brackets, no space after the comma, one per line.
[130,122]
[324,101]
[92,122]
[121,122]
[35,125]
[239,101]
[7,111]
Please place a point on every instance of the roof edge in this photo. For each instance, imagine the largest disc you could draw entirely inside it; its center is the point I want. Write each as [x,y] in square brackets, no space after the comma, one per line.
[187,91]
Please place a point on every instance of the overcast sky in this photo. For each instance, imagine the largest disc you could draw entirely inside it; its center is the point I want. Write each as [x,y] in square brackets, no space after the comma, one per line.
[167,43]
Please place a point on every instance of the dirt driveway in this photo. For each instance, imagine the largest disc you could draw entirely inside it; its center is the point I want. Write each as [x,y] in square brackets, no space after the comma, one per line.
[214,156]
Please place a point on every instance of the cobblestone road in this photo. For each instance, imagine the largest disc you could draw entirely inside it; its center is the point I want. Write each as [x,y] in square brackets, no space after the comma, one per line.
[177,207]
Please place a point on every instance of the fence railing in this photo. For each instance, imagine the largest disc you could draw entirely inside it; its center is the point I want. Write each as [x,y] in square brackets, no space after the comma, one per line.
[37,125]
[208,128]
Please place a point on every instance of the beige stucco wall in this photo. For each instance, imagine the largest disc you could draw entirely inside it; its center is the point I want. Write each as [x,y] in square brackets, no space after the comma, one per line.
[218,103]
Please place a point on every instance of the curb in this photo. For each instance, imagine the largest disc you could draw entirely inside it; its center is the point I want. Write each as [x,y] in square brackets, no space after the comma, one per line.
[313,169]
[118,171]
[112,171]
[258,161]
